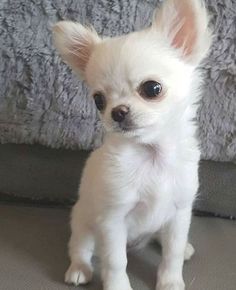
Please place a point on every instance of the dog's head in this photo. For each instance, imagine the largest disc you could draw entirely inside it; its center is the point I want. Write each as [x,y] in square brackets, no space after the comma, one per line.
[139,80]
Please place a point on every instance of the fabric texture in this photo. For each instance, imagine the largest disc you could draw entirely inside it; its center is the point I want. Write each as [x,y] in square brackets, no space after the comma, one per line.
[33,251]
[42,101]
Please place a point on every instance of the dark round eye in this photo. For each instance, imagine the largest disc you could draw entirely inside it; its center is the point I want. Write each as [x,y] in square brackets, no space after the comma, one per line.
[100,101]
[150,89]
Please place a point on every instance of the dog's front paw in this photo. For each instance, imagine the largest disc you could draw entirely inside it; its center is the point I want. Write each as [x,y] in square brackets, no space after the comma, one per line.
[117,282]
[78,274]
[116,287]
[170,286]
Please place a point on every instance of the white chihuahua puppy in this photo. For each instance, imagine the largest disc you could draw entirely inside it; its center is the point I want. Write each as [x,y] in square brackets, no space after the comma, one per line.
[144,178]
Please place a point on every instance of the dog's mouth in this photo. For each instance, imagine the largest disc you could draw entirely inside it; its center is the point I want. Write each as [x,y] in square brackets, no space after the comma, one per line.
[128,130]
[124,128]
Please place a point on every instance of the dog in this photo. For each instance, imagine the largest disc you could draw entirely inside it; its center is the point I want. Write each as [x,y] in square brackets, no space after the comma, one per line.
[143,180]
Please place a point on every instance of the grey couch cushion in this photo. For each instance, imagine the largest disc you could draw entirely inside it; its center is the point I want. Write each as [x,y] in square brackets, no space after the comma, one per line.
[40,100]
[217,191]
[33,253]
[39,174]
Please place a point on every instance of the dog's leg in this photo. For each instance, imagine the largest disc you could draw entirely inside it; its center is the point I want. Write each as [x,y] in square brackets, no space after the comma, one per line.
[174,238]
[113,242]
[189,249]
[81,248]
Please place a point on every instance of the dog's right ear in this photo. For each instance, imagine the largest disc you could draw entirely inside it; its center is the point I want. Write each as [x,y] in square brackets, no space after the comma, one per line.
[184,25]
[75,43]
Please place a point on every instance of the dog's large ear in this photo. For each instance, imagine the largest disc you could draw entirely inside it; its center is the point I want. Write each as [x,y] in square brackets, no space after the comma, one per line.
[184,24]
[75,43]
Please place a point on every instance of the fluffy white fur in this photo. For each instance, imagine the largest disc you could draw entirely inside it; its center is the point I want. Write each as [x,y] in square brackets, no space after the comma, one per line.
[142,181]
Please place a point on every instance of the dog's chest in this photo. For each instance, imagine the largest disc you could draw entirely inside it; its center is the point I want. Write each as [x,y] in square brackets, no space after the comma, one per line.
[144,172]
[148,179]
[151,184]
[142,169]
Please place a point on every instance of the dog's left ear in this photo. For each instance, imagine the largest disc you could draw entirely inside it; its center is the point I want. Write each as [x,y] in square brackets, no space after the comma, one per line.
[75,44]
[184,25]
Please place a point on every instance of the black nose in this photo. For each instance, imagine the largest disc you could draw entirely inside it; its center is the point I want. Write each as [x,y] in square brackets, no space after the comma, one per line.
[118,113]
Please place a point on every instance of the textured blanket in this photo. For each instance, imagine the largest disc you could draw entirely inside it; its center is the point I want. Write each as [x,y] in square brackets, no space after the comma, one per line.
[41,101]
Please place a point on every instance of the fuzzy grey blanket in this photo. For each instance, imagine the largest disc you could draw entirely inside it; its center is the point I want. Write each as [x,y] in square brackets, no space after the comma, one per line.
[42,101]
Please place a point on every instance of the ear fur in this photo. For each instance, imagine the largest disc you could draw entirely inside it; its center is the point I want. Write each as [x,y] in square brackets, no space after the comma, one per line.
[75,43]
[184,25]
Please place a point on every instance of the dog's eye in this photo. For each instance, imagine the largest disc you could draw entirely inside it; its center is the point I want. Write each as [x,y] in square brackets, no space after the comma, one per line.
[150,89]
[100,101]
